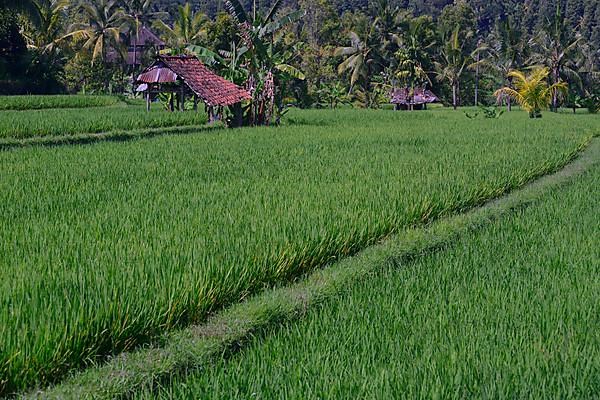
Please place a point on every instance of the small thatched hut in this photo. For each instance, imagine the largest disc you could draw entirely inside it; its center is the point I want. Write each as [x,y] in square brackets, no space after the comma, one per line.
[412,99]
[186,75]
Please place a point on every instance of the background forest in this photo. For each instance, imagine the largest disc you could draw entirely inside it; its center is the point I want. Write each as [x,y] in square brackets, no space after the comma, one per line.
[319,53]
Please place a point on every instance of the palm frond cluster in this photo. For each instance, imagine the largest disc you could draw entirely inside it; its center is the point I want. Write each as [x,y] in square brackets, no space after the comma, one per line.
[314,53]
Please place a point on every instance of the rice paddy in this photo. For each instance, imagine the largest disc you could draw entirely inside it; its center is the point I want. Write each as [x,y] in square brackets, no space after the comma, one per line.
[507,312]
[105,247]
[65,122]
[57,101]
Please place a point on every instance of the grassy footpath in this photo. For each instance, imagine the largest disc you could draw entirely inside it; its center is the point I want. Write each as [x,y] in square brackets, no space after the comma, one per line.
[106,247]
[511,311]
[197,347]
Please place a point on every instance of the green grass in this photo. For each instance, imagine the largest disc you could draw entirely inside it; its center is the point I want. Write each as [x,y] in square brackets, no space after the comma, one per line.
[107,246]
[55,101]
[198,346]
[65,122]
[510,311]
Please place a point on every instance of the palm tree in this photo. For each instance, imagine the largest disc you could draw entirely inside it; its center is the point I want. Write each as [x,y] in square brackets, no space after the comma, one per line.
[558,50]
[105,23]
[387,20]
[189,28]
[532,91]
[142,13]
[358,59]
[507,52]
[454,62]
[46,34]
[414,52]
[362,61]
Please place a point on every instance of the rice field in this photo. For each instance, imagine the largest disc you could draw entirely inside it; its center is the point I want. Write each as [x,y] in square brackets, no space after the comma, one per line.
[511,311]
[65,122]
[105,247]
[55,101]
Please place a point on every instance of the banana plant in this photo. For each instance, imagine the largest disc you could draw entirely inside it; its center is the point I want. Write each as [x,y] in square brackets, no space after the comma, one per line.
[267,58]
[103,27]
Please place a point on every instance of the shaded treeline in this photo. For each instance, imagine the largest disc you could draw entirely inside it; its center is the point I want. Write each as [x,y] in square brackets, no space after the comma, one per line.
[310,52]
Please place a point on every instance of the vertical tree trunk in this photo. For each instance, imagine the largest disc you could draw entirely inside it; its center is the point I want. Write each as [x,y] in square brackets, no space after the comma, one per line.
[554,92]
[137,35]
[454,104]
[508,99]
[477,80]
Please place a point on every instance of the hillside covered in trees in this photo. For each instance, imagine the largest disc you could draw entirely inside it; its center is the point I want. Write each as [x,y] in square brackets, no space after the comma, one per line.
[529,15]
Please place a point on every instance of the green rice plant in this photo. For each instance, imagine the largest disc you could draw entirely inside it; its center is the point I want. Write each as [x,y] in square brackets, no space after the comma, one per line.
[105,247]
[38,102]
[510,311]
[64,122]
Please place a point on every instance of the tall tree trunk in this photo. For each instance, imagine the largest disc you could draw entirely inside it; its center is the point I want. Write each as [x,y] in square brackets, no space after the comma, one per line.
[508,99]
[454,104]
[137,36]
[554,92]
[477,80]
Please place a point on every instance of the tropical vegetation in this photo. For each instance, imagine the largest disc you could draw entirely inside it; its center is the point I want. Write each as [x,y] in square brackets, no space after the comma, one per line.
[285,54]
[128,227]
[532,91]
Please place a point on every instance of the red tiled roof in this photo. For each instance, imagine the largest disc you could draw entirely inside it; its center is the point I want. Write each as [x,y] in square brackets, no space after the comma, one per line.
[420,96]
[210,87]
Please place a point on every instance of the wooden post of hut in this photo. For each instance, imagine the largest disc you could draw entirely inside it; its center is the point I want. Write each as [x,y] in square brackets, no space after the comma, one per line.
[195,102]
[182,98]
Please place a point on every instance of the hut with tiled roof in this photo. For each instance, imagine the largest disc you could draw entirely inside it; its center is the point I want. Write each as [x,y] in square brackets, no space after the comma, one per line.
[412,99]
[186,75]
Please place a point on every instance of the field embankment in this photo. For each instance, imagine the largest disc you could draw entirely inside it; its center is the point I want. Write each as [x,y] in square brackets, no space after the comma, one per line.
[108,246]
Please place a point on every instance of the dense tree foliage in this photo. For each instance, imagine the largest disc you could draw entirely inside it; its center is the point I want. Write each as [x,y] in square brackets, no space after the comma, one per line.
[347,51]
